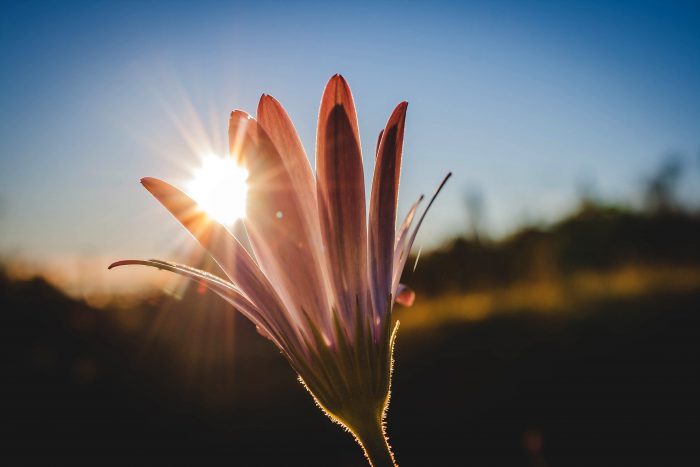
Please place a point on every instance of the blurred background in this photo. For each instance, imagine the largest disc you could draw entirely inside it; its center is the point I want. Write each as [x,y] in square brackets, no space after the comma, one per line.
[557,276]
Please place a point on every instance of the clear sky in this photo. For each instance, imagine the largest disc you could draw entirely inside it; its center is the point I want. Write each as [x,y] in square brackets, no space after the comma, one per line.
[524,101]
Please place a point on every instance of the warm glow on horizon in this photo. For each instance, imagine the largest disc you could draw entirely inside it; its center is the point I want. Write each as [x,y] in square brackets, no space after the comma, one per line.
[220,188]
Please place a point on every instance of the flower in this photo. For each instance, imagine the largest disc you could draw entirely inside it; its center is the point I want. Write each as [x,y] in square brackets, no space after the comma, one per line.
[320,283]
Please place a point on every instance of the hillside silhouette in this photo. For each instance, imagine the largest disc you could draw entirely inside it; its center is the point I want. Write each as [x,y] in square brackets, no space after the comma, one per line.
[594,238]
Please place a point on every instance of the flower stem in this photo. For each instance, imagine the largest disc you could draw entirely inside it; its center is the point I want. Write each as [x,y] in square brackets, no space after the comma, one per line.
[376,445]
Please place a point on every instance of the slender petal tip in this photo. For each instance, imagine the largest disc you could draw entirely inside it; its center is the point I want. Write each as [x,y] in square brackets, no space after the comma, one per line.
[154,185]
[240,113]
[266,100]
[266,104]
[147,182]
[339,87]
[130,262]
[119,263]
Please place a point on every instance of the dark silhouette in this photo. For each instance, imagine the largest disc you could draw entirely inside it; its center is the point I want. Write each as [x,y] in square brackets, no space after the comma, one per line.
[661,187]
[596,237]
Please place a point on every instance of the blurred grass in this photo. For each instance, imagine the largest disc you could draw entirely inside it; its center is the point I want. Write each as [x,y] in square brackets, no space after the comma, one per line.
[611,382]
[567,294]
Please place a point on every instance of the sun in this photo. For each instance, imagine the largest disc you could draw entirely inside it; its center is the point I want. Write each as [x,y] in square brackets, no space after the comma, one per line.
[220,188]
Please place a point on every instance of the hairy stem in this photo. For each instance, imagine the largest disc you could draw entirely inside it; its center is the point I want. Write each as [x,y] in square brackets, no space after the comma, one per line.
[375,444]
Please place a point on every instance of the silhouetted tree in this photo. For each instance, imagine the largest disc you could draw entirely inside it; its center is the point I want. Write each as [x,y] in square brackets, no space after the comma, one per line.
[474,205]
[660,190]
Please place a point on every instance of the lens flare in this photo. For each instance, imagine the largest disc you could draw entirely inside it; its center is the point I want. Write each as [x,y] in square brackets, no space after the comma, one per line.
[220,188]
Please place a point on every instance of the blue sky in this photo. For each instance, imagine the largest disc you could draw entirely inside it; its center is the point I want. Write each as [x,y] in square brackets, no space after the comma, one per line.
[524,101]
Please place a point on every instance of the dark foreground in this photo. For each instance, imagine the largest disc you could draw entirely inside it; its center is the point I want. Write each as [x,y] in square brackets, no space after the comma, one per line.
[613,385]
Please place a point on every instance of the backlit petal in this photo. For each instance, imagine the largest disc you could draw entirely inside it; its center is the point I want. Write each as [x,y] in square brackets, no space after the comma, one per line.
[412,237]
[224,289]
[402,239]
[405,296]
[382,214]
[341,196]
[278,230]
[279,127]
[277,124]
[224,248]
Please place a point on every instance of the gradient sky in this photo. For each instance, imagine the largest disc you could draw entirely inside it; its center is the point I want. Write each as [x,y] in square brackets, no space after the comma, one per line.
[525,102]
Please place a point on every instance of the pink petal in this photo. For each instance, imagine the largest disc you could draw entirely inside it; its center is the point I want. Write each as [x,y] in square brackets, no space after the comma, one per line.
[379,140]
[341,196]
[382,214]
[224,289]
[224,248]
[412,237]
[402,239]
[405,296]
[279,231]
[273,118]
[279,127]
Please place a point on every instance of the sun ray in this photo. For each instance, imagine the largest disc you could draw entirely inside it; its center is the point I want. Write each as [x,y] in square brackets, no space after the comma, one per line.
[219,186]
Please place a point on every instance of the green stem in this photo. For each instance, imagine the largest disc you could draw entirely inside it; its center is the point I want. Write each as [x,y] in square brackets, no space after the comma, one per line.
[375,444]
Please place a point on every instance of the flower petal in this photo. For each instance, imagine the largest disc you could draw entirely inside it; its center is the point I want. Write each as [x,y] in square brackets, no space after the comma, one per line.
[412,237]
[402,238]
[379,140]
[224,289]
[224,248]
[279,127]
[382,214]
[277,124]
[341,196]
[280,234]
[405,296]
